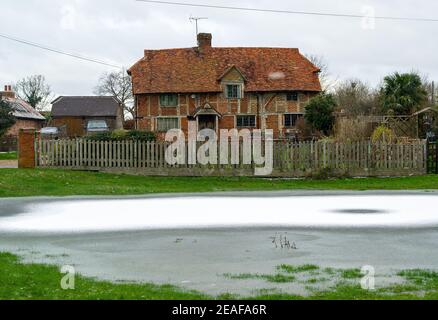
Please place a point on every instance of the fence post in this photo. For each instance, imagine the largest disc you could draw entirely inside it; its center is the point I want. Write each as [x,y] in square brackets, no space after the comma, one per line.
[26,148]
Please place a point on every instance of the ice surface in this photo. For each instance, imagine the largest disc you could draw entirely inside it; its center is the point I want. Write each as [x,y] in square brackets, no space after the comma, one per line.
[75,216]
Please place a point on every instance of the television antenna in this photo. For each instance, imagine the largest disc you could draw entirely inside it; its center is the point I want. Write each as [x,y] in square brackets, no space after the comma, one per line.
[196,20]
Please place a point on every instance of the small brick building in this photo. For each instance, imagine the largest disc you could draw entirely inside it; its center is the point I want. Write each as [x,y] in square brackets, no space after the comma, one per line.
[74,113]
[26,118]
[222,88]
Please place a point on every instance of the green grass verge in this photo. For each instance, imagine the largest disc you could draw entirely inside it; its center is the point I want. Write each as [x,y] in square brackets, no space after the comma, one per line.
[20,281]
[8,156]
[37,281]
[17,183]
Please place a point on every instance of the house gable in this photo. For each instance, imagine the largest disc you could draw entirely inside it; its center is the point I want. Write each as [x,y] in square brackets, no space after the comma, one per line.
[232,74]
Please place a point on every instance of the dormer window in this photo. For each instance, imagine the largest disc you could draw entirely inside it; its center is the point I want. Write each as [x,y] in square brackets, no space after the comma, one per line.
[233,91]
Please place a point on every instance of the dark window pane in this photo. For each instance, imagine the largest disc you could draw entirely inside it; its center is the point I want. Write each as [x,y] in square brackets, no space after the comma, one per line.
[169,100]
[246,121]
[233,91]
[290,120]
[166,124]
[292,96]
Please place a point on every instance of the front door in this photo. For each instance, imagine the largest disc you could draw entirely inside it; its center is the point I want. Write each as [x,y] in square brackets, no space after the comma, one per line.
[207,122]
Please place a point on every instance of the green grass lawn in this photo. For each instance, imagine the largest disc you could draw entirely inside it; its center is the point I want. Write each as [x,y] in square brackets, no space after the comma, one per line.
[8,156]
[37,281]
[44,182]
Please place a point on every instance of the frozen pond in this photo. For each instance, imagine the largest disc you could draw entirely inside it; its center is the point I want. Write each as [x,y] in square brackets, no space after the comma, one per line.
[201,212]
[191,241]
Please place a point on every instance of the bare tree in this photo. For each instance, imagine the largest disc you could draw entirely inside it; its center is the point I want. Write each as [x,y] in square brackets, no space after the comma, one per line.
[355,98]
[118,84]
[34,91]
[326,79]
[431,88]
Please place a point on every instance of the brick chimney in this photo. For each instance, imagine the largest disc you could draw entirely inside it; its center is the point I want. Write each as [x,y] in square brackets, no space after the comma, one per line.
[204,41]
[7,93]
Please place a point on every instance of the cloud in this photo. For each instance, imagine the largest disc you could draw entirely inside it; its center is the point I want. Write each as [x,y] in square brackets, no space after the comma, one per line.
[119,30]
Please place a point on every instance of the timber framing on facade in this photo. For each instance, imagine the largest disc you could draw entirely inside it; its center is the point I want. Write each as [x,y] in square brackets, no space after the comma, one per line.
[222,88]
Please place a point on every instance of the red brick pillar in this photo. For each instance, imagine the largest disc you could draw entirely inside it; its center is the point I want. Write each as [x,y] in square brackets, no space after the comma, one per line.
[26,148]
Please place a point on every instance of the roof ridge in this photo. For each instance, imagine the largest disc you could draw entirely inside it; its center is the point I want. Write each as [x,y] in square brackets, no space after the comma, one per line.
[86,96]
[220,48]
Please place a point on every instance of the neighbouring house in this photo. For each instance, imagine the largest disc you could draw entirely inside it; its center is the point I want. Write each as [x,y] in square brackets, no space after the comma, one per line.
[76,114]
[26,118]
[222,88]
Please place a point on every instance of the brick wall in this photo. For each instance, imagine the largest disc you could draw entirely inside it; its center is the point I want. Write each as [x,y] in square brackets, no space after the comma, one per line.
[26,148]
[24,123]
[274,106]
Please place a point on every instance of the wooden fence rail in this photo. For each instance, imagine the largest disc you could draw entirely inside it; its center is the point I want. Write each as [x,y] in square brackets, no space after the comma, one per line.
[289,159]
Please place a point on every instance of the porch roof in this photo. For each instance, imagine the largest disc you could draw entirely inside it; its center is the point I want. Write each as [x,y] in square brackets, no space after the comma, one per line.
[206,110]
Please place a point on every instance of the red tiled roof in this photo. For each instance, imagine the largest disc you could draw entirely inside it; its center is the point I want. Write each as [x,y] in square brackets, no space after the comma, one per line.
[191,71]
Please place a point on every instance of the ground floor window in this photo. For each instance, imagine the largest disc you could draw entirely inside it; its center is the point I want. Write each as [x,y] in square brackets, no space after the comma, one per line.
[246,121]
[166,124]
[290,120]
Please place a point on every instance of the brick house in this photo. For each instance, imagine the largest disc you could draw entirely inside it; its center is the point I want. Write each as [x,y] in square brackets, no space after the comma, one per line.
[26,116]
[222,88]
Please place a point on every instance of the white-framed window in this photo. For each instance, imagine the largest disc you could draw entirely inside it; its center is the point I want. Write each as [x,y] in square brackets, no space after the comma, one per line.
[246,121]
[166,124]
[169,100]
[290,120]
[233,91]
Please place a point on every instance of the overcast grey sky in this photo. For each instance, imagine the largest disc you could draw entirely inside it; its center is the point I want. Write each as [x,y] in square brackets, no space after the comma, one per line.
[118,31]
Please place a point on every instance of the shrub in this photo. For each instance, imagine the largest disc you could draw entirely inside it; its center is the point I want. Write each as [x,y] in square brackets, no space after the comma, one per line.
[7,119]
[383,134]
[120,135]
[100,136]
[351,130]
[141,135]
[304,130]
[319,112]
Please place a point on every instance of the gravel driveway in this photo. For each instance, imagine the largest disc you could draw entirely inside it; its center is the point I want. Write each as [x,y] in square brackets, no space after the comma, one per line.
[8,164]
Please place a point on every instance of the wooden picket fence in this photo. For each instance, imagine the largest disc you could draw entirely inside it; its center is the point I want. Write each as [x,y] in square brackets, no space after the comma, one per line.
[289,159]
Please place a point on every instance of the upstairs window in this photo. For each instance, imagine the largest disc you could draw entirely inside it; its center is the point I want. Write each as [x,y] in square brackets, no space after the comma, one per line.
[169,100]
[233,91]
[290,120]
[292,96]
[166,124]
[246,121]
